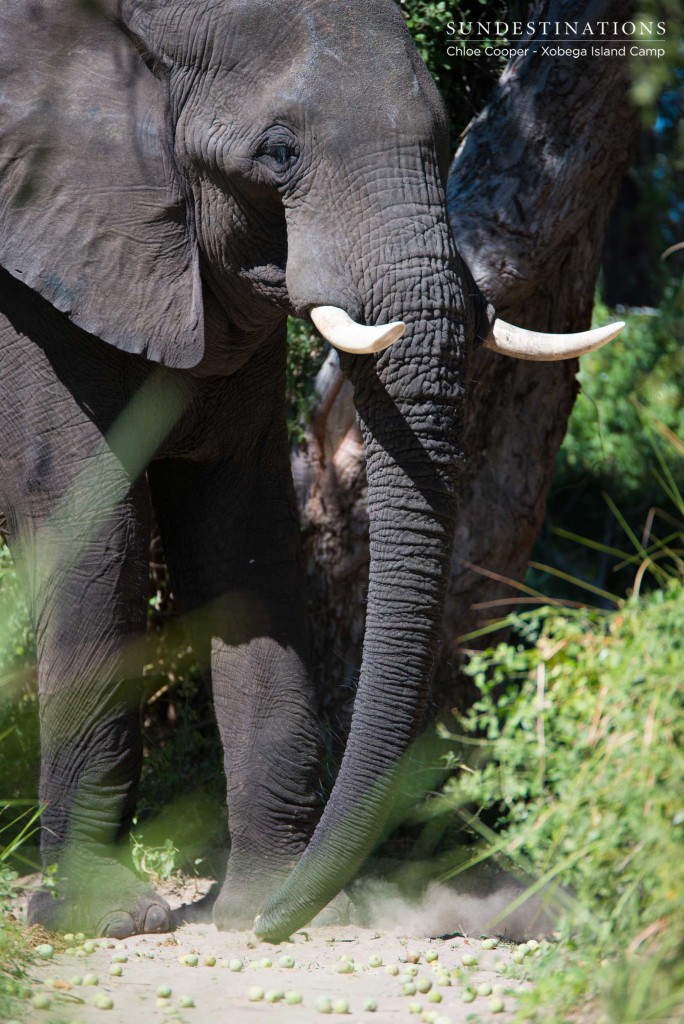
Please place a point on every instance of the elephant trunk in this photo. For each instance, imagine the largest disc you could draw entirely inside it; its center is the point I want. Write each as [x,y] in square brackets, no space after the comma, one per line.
[409,405]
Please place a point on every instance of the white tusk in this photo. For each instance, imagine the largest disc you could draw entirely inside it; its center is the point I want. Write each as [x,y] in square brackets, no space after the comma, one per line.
[341,331]
[521,344]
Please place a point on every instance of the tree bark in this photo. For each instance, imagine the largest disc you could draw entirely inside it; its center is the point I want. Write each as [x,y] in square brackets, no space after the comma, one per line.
[530,190]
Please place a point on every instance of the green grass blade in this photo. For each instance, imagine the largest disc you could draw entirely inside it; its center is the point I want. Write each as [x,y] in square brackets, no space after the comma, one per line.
[583,584]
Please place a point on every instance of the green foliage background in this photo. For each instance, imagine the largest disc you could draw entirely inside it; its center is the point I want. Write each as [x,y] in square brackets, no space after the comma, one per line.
[640,376]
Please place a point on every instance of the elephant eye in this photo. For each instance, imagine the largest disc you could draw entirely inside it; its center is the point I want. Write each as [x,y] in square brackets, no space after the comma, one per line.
[278,149]
[281,154]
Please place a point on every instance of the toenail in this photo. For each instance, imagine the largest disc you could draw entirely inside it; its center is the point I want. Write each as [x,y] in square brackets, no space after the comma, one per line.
[156,919]
[117,926]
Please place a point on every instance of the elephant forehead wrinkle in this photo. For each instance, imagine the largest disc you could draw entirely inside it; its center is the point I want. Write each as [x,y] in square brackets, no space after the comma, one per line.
[223,37]
[361,37]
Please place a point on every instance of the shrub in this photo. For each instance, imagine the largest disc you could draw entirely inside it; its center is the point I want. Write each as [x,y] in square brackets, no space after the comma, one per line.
[631,393]
[20,758]
[583,726]
[15,954]
[643,369]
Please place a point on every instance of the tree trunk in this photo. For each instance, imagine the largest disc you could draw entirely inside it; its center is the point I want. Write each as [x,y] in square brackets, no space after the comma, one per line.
[530,190]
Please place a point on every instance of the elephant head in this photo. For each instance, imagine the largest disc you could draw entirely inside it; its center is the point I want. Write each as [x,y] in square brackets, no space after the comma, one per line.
[211,168]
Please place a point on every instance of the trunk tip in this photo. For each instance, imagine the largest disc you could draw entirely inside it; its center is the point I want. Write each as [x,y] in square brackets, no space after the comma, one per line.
[269,927]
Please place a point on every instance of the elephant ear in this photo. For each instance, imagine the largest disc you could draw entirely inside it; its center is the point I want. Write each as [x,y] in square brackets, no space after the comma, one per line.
[92,210]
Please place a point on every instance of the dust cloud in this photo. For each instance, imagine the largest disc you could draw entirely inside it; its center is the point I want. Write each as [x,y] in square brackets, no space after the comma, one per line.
[491,906]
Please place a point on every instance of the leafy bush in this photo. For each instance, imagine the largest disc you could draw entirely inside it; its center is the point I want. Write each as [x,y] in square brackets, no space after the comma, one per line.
[642,369]
[156,863]
[16,635]
[15,951]
[584,764]
[15,954]
[631,393]
[18,707]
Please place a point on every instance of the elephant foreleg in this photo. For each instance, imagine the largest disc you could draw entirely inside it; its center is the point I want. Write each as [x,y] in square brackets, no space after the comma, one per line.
[230,533]
[90,619]
[78,529]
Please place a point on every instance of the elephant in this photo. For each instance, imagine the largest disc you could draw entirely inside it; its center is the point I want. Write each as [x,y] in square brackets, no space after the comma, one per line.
[175,180]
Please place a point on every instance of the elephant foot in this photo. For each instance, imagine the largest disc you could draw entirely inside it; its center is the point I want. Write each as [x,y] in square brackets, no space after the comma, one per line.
[244,892]
[232,915]
[235,910]
[110,902]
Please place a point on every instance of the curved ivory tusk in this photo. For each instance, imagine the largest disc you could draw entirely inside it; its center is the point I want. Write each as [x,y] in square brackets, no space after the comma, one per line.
[341,331]
[508,340]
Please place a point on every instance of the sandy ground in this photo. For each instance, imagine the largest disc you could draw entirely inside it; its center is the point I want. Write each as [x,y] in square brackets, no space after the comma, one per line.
[220,994]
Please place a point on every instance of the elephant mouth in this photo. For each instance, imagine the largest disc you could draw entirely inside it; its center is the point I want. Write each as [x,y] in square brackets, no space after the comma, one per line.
[267,281]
